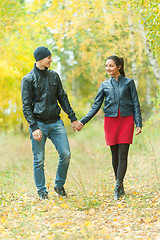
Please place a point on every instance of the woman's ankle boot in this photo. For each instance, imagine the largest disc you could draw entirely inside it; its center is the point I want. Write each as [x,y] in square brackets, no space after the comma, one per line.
[122,192]
[117,189]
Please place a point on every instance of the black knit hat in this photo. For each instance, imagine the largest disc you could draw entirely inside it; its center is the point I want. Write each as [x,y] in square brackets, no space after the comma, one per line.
[41,52]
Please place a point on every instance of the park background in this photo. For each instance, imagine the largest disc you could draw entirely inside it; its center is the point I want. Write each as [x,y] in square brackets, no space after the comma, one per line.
[80,35]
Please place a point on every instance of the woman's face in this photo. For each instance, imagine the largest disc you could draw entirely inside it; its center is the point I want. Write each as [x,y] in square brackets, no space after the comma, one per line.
[112,69]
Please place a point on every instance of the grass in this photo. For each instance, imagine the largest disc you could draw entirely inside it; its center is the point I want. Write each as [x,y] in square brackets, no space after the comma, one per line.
[89,212]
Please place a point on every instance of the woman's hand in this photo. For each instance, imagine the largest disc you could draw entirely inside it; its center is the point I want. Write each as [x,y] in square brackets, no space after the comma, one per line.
[138,130]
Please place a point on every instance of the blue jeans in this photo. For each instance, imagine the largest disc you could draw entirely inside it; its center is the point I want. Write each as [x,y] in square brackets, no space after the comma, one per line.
[57,134]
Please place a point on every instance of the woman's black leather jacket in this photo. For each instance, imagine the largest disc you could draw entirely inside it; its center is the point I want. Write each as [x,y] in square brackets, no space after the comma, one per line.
[42,90]
[120,94]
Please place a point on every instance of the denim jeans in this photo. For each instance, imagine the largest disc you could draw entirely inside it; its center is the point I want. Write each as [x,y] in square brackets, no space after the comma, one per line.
[57,134]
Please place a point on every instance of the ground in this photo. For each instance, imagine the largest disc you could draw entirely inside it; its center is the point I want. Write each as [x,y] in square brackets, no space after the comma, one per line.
[90,211]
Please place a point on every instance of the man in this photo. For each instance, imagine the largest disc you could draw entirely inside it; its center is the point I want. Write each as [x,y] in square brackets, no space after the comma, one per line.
[42,90]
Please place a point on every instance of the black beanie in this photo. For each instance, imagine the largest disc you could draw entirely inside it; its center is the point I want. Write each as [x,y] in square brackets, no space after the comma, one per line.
[41,52]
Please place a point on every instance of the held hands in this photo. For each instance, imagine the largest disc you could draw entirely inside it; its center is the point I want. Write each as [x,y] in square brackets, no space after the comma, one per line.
[76,125]
[37,135]
[138,130]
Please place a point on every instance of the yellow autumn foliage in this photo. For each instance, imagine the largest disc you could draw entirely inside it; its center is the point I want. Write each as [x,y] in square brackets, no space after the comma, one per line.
[80,34]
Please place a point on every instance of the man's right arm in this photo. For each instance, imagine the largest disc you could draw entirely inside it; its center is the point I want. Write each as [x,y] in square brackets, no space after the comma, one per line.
[27,95]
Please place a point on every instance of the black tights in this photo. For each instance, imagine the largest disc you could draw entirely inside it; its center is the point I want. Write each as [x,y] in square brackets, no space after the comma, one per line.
[119,159]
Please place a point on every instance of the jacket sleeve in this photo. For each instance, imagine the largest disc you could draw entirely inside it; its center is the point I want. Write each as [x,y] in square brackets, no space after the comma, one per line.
[64,102]
[95,107]
[26,92]
[136,105]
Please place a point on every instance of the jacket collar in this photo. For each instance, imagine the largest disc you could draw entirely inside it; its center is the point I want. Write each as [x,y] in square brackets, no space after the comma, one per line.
[39,70]
[118,83]
[119,78]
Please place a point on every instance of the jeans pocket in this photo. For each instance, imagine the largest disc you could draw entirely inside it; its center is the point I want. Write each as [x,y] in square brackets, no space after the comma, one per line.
[60,122]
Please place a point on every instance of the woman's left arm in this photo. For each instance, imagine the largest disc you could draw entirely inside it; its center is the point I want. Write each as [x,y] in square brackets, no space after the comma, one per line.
[136,107]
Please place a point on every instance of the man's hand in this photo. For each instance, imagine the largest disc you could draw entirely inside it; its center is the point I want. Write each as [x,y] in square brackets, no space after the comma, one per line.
[138,130]
[37,134]
[76,125]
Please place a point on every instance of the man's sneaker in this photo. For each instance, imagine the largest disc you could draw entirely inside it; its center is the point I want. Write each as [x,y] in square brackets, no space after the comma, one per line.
[61,191]
[43,196]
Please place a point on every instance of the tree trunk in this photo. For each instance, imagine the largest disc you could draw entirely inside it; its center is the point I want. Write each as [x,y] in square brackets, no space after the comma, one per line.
[132,44]
[152,59]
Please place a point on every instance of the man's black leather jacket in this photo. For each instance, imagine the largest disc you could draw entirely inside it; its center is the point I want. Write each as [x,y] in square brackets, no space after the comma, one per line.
[120,94]
[41,91]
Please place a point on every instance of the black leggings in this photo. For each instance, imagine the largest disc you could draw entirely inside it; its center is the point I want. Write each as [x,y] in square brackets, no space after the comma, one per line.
[119,159]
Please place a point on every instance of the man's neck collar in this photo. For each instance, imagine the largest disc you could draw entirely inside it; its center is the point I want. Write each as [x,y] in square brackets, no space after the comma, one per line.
[40,70]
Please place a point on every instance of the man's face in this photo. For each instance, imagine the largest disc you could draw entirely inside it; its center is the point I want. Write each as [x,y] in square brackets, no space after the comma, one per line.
[46,62]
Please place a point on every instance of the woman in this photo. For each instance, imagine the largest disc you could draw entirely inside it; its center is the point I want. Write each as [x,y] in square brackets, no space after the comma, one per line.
[121,110]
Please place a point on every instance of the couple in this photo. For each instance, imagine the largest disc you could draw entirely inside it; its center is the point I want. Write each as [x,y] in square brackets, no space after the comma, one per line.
[42,90]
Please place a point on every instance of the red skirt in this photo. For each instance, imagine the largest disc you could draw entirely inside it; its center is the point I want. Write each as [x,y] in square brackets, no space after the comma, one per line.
[118,129]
